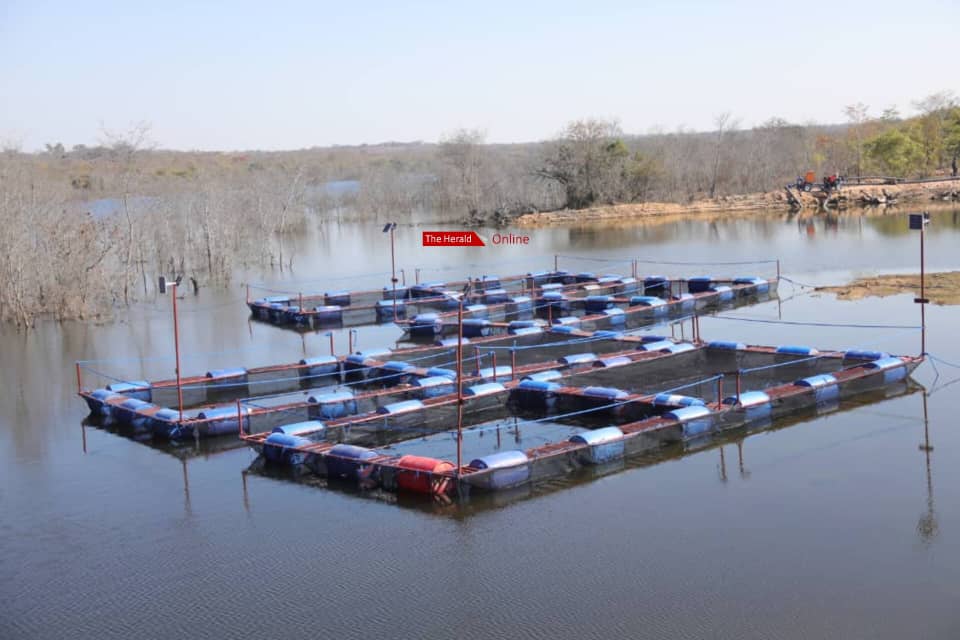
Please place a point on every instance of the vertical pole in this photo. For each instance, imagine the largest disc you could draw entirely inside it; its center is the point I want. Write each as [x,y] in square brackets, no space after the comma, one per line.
[403,277]
[556,263]
[476,350]
[738,386]
[549,315]
[248,294]
[778,269]
[393,271]
[513,363]
[330,335]
[176,349]
[79,384]
[350,341]
[719,391]
[239,419]
[493,357]
[459,391]
[923,299]
[416,275]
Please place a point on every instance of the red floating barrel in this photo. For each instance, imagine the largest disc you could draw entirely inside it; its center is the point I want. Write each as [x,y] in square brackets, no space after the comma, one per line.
[417,474]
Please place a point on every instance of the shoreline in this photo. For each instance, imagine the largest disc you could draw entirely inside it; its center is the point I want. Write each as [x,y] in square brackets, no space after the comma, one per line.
[852,196]
[941,287]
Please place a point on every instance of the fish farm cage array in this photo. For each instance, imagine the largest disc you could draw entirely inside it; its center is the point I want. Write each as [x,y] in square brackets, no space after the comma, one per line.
[489,297]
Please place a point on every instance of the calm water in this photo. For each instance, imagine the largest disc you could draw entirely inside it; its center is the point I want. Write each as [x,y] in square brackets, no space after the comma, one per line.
[832,526]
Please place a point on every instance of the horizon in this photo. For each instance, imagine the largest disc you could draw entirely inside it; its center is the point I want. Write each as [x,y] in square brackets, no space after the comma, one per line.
[297,76]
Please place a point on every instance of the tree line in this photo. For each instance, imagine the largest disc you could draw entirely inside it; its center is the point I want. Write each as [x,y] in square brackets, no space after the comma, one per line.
[209,214]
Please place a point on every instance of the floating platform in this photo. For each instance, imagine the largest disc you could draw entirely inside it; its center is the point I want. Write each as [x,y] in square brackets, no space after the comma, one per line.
[492,298]
[667,418]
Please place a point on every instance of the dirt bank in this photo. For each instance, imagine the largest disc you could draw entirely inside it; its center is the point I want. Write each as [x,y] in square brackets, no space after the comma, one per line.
[903,193]
[940,288]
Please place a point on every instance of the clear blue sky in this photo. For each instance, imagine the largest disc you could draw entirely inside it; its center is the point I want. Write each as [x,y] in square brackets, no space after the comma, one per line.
[280,74]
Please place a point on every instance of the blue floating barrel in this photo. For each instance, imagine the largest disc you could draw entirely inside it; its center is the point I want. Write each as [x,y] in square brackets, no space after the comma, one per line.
[604,445]
[699,284]
[824,385]
[759,284]
[440,371]
[433,386]
[128,411]
[724,292]
[608,333]
[165,423]
[796,350]
[857,354]
[540,386]
[224,420]
[312,430]
[696,420]
[400,293]
[97,401]
[586,276]
[680,347]
[485,389]
[450,342]
[552,287]
[894,369]
[525,331]
[519,304]
[627,286]
[726,345]
[319,366]
[277,310]
[656,286]
[280,448]
[394,371]
[566,320]
[562,328]
[427,289]
[522,324]
[132,412]
[686,301]
[495,296]
[755,404]
[577,358]
[476,311]
[235,373]
[139,389]
[657,305]
[665,346]
[477,327]
[607,393]
[284,300]
[500,470]
[403,406]
[615,316]
[556,301]
[329,406]
[337,298]
[551,374]
[537,278]
[328,313]
[596,304]
[347,461]
[503,372]
[385,308]
[748,399]
[650,337]
[562,277]
[426,324]
[614,361]
[676,400]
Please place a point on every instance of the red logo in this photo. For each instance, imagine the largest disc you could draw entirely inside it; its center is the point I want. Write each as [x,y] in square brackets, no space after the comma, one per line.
[452,239]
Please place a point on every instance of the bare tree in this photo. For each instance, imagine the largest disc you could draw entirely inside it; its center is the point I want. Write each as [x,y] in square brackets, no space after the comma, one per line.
[857,116]
[724,124]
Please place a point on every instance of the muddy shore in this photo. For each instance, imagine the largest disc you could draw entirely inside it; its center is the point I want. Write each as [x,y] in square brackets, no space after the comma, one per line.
[911,193]
[941,288]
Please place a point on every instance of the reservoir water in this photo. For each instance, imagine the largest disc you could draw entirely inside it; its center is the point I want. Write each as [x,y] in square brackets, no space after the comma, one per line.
[845,524]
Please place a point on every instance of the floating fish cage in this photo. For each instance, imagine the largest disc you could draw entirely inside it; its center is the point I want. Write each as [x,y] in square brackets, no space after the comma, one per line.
[656,420]
[550,293]
[595,311]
